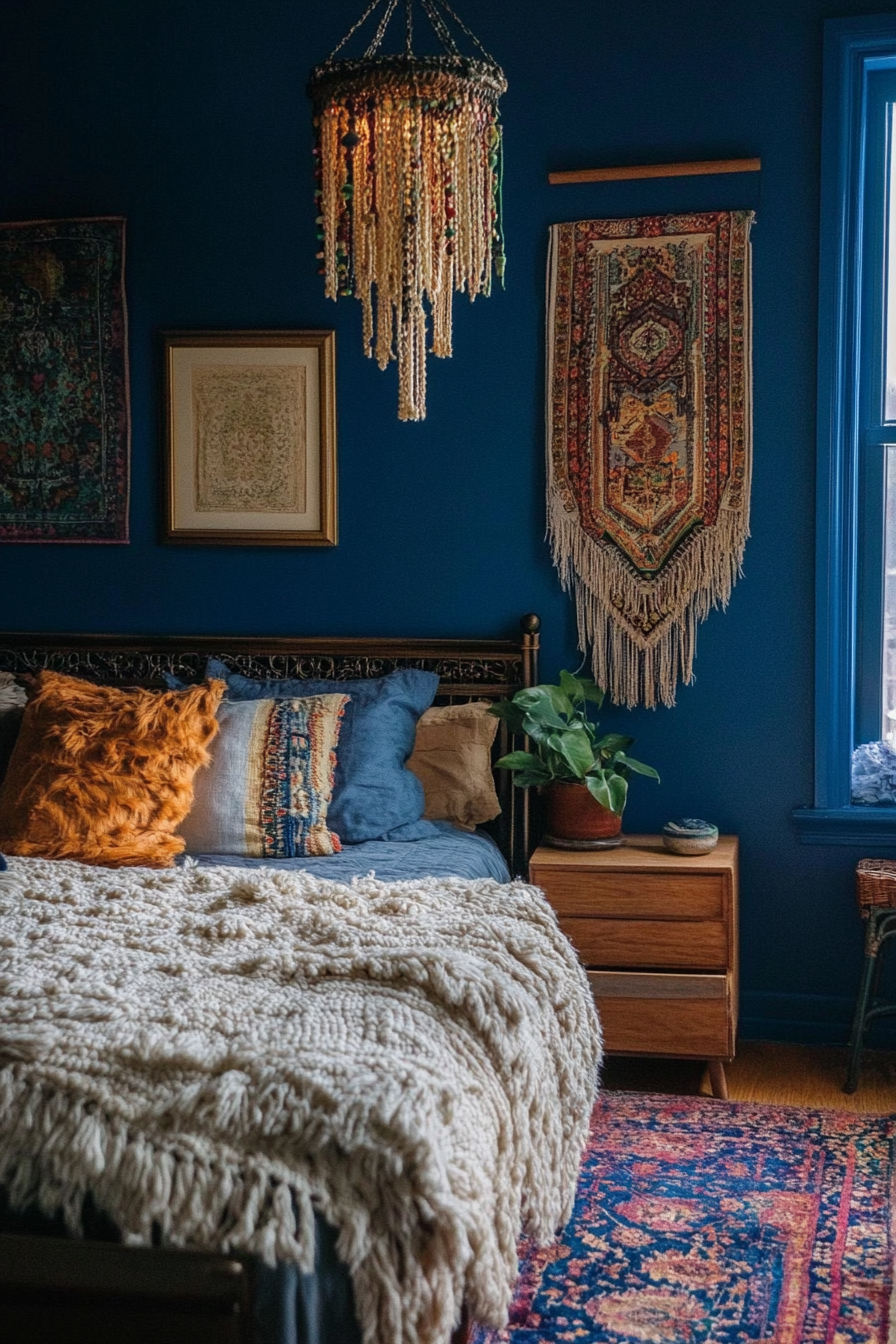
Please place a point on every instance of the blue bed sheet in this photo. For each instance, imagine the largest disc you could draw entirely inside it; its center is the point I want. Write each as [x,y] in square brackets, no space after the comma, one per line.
[450,853]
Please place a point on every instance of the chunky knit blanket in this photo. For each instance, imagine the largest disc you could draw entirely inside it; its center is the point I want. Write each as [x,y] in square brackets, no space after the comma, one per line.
[216,1052]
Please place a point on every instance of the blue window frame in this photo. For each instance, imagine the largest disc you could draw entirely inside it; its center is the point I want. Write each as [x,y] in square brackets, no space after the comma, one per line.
[853,430]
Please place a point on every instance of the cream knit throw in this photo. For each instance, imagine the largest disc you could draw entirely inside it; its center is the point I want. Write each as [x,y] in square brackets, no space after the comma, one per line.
[218,1051]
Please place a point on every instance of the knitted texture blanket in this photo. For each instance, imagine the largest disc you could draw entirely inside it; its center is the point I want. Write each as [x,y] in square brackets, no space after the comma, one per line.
[215,1052]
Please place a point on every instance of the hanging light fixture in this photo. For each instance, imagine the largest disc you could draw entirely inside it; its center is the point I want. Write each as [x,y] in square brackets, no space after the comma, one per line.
[409,187]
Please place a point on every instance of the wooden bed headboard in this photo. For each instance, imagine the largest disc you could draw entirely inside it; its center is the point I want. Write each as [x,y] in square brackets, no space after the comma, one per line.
[468,669]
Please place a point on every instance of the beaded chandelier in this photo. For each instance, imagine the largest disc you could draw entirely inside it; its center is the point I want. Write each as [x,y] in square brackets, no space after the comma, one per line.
[408,152]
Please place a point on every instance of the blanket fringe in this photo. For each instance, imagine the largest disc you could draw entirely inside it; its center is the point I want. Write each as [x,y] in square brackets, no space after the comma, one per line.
[54,1149]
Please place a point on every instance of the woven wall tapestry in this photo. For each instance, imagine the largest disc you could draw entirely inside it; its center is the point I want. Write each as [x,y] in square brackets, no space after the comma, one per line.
[649,435]
[64,406]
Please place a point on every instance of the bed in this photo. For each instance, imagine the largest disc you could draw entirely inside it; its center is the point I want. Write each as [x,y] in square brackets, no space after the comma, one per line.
[104,1291]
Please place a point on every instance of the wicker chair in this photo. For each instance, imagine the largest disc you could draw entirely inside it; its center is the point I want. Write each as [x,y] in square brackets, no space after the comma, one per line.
[876,895]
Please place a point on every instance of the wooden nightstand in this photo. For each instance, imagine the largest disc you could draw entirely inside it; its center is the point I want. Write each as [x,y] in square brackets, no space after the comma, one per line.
[657,933]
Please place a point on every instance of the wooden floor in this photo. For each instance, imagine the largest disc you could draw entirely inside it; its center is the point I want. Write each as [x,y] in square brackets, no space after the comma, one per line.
[790,1075]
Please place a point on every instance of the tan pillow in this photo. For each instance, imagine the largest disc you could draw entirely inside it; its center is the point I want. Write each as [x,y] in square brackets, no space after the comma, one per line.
[104,775]
[452,759]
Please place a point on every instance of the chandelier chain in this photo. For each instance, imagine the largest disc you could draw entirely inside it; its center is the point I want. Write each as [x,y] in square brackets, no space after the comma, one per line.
[471,35]
[354,28]
[381,30]
[441,28]
[431,9]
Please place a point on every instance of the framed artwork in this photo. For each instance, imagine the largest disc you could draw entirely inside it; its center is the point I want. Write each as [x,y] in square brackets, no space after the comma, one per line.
[250,438]
[64,405]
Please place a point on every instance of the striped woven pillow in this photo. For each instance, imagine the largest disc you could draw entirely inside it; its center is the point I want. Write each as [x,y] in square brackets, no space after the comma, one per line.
[266,793]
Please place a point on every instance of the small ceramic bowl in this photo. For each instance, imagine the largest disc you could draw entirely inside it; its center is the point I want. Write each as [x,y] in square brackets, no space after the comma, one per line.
[690,835]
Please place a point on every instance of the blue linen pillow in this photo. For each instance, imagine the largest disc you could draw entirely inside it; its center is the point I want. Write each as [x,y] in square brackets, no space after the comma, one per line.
[375,797]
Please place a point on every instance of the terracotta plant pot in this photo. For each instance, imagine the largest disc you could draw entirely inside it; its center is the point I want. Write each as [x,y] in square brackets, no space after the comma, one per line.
[576,820]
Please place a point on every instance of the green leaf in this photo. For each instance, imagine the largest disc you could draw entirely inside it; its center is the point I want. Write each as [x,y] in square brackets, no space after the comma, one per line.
[572,687]
[543,736]
[555,763]
[575,748]
[612,742]
[599,790]
[618,793]
[591,691]
[536,698]
[520,760]
[524,779]
[638,766]
[537,702]
[512,714]
[502,709]
[538,731]
[560,700]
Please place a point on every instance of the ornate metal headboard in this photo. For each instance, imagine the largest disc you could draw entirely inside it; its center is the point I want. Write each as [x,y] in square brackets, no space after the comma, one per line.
[468,669]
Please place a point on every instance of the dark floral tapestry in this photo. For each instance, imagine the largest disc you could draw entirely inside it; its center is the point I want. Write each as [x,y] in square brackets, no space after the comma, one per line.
[64,409]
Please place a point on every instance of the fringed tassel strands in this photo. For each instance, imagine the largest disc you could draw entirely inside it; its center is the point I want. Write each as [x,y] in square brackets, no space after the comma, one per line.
[408,162]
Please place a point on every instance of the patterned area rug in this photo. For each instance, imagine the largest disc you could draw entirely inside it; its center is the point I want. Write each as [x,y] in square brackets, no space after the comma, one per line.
[704,1221]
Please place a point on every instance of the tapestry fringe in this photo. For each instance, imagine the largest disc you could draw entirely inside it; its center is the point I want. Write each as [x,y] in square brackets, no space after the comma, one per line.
[632,667]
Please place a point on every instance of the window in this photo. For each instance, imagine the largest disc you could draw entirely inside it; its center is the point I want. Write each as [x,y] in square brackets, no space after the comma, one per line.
[855,688]
[887,114]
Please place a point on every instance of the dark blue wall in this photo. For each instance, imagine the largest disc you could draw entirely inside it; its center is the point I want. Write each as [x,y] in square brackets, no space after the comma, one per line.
[191,120]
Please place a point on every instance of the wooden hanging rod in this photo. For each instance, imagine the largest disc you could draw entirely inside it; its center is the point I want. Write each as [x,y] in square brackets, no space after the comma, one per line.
[693,169]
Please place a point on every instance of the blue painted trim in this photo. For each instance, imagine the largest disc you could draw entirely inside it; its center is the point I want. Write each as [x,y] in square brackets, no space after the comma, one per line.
[879,98]
[846,826]
[853,48]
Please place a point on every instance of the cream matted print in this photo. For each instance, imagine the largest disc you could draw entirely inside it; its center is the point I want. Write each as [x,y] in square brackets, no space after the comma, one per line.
[250,438]
[251,441]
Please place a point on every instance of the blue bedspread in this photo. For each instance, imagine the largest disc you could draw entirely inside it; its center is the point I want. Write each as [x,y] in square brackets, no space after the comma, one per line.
[451,853]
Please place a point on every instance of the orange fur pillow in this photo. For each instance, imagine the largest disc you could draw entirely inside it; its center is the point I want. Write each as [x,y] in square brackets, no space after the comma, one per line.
[104,775]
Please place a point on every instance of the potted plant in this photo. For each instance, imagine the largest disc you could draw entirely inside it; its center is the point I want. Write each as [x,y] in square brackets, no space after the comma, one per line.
[583,777]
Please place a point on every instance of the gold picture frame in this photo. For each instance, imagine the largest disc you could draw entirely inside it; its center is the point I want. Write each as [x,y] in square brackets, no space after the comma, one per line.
[249,451]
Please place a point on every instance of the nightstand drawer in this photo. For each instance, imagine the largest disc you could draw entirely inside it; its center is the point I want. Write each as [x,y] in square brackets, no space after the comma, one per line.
[702,944]
[658,1014]
[633,895]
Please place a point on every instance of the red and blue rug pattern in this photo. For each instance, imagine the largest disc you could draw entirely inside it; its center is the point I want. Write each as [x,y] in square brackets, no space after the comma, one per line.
[707,1222]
